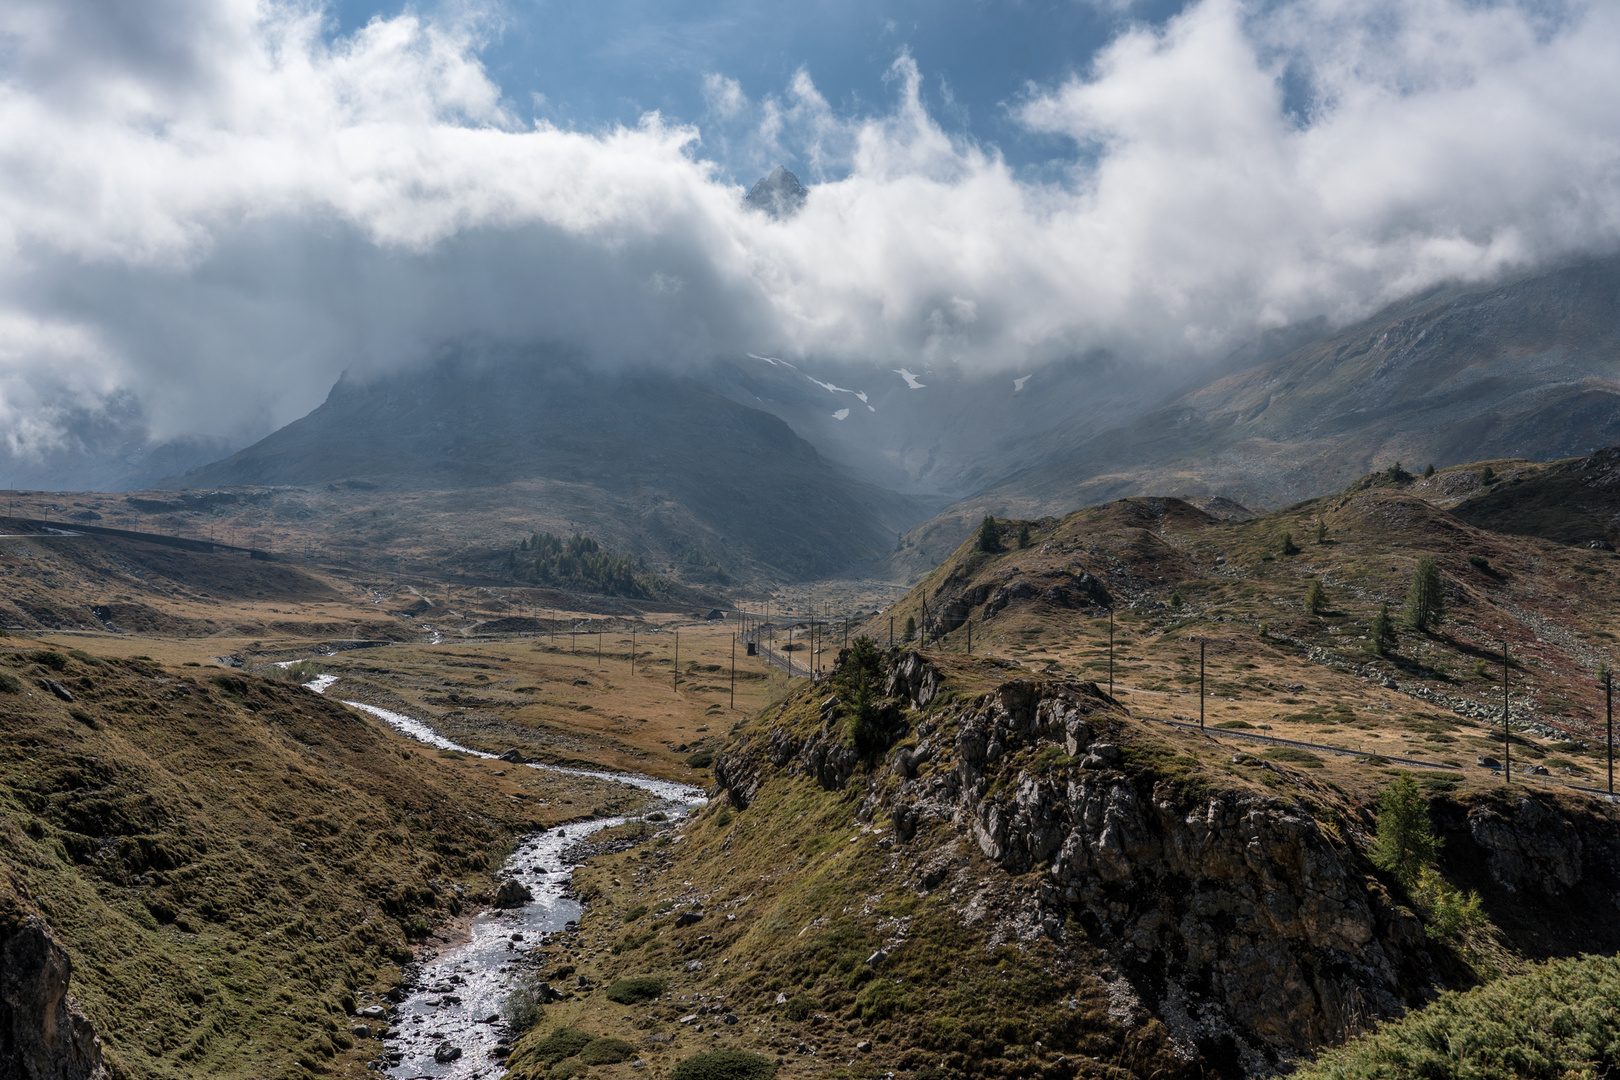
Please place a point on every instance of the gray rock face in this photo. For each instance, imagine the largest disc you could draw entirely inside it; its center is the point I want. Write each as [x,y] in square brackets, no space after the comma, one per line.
[1234,919]
[43,1035]
[780,194]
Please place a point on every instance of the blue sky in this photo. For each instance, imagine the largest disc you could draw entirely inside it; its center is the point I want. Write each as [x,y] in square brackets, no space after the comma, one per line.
[604,63]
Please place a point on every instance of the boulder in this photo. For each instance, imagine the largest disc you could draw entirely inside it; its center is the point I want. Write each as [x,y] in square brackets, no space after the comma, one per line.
[42,1032]
[446,1053]
[512,893]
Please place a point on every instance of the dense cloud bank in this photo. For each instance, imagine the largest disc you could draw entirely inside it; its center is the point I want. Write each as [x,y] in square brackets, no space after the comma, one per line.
[214,206]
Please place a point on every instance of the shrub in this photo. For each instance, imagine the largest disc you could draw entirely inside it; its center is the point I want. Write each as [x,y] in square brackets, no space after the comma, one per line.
[725,1065]
[1557,1019]
[605,1051]
[565,1042]
[49,658]
[635,989]
[701,760]
[1488,476]
[799,1007]
[523,1007]
[84,718]
[9,683]
[635,913]
[1479,562]
[567,1070]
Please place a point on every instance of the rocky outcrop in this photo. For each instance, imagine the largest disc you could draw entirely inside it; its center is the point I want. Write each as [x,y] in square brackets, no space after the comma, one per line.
[43,1035]
[1249,929]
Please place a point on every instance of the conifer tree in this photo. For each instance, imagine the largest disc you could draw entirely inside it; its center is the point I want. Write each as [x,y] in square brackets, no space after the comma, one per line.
[1383,631]
[989,535]
[1023,536]
[911,628]
[1315,597]
[1426,598]
[1321,530]
[1287,546]
[1406,845]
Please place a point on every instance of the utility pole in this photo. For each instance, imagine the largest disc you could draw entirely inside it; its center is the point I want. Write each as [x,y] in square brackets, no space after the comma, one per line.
[789,650]
[733,671]
[598,646]
[970,636]
[1111,652]
[677,664]
[925,622]
[632,648]
[891,631]
[1507,737]
[1200,685]
[1608,702]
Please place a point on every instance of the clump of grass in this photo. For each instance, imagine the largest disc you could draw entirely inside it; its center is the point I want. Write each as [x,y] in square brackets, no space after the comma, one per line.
[635,989]
[799,1007]
[725,1065]
[565,1042]
[700,760]
[1294,756]
[605,1051]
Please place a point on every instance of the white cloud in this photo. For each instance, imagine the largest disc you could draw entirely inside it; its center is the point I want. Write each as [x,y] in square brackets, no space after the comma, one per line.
[216,208]
[724,96]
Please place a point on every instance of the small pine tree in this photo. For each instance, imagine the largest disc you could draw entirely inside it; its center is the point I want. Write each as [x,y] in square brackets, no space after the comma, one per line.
[1406,845]
[911,628]
[1426,598]
[1396,472]
[1176,599]
[989,535]
[1287,545]
[1315,597]
[1428,470]
[1383,631]
[1321,530]
[1023,536]
[1488,476]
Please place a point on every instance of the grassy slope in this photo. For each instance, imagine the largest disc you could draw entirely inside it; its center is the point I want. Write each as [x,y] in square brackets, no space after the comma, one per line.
[1553,605]
[231,860]
[798,894]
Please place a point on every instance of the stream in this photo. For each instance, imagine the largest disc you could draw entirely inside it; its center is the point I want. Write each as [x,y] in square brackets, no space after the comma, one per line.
[456,1001]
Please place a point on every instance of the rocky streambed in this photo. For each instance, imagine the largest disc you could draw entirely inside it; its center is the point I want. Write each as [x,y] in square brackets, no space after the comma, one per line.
[448,1023]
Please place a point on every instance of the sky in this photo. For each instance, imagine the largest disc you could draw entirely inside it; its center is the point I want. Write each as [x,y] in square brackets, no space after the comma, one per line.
[209,209]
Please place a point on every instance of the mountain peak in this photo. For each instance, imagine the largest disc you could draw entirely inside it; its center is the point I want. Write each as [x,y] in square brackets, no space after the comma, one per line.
[780,194]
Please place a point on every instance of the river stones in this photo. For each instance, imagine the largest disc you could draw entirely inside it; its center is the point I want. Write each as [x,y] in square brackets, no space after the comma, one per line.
[446,1053]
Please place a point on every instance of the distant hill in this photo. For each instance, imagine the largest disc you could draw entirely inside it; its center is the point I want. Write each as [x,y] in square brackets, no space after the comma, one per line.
[1522,369]
[654,463]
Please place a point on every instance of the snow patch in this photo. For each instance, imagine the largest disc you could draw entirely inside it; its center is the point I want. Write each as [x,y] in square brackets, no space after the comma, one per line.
[841,414]
[1018,384]
[911,380]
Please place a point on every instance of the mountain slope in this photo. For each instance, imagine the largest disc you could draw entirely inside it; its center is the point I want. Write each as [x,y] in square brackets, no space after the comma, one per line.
[679,467]
[1527,368]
